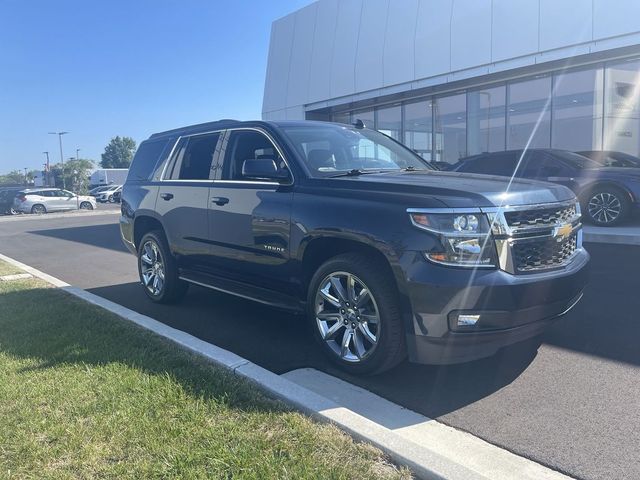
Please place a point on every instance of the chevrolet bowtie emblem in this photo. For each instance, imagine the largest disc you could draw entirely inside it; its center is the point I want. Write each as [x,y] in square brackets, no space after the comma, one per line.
[560,233]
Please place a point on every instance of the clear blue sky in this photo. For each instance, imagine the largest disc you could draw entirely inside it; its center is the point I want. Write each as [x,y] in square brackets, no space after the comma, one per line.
[104,68]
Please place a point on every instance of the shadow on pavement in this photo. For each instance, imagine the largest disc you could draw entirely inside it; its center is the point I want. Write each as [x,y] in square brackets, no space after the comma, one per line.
[607,319]
[102,236]
[282,342]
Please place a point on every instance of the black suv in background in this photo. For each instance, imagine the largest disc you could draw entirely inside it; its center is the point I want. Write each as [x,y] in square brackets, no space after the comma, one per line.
[608,195]
[6,200]
[385,256]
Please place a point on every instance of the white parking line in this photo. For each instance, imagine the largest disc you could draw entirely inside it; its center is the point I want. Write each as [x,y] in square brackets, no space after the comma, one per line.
[431,450]
[51,216]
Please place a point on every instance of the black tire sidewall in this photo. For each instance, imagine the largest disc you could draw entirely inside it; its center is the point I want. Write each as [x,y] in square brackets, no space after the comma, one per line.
[387,351]
[173,288]
[38,211]
[624,202]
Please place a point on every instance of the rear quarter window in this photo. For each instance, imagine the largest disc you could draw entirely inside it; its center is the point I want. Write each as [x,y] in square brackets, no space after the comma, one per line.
[146,159]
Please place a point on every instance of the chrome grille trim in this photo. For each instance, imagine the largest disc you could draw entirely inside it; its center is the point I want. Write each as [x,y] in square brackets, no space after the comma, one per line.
[544,223]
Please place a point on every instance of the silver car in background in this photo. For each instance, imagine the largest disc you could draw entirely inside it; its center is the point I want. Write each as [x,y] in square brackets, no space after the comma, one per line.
[44,200]
[107,195]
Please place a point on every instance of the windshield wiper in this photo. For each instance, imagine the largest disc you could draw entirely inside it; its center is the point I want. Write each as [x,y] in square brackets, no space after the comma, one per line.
[352,173]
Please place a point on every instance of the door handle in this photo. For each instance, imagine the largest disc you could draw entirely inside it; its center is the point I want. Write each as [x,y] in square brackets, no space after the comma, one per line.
[166,196]
[220,200]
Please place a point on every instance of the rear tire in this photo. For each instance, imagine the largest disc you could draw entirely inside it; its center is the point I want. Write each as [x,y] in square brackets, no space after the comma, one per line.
[606,206]
[38,209]
[345,320]
[158,270]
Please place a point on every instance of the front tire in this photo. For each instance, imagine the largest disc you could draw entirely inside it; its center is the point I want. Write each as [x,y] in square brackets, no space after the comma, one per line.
[38,209]
[158,270]
[606,206]
[86,206]
[355,312]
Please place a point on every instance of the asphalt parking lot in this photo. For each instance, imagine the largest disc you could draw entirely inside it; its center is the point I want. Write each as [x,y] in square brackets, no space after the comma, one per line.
[570,400]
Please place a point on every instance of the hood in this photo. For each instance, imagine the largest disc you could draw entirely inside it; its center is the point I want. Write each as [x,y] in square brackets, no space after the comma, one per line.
[464,190]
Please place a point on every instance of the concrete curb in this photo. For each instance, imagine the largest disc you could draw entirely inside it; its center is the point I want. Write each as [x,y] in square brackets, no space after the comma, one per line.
[425,462]
[51,216]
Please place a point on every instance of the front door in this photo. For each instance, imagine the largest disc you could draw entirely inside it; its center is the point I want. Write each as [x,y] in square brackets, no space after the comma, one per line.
[249,219]
[183,197]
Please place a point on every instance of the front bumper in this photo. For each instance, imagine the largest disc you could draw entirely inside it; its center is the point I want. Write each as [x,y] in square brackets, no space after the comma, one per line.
[512,308]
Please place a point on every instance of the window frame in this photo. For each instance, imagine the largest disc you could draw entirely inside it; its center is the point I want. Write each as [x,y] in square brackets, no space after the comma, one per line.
[172,163]
[222,158]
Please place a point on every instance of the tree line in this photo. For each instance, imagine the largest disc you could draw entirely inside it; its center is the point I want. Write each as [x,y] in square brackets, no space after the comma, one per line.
[75,172]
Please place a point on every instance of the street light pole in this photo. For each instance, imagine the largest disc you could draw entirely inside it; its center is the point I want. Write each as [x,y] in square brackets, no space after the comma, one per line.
[46,170]
[25,177]
[61,155]
[78,153]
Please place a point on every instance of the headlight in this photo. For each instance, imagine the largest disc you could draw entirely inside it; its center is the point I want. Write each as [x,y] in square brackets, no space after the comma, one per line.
[465,238]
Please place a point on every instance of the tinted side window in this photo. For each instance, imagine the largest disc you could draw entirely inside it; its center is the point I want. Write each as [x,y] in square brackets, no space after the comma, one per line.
[248,145]
[493,164]
[541,166]
[197,157]
[145,160]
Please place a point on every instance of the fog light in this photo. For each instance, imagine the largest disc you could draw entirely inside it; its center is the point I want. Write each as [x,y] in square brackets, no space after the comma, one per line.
[467,320]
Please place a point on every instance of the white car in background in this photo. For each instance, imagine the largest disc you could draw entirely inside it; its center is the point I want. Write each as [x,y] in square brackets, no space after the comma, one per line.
[44,200]
[96,191]
[105,196]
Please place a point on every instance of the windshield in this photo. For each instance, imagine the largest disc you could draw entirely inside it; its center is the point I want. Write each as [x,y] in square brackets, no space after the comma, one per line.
[334,149]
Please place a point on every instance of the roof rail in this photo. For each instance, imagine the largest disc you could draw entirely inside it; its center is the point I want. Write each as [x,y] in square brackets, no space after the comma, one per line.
[213,124]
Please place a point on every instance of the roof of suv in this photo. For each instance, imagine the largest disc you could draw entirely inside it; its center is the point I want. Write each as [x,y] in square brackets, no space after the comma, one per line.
[229,123]
[42,189]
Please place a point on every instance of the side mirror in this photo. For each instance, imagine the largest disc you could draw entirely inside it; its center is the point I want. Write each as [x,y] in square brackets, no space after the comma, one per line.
[262,169]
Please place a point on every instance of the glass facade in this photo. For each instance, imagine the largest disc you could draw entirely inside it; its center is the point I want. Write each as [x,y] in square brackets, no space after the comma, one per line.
[486,116]
[622,107]
[450,126]
[577,110]
[586,108]
[418,127]
[389,121]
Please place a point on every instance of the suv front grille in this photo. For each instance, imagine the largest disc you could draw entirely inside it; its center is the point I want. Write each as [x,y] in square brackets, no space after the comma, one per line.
[535,238]
[533,255]
[540,217]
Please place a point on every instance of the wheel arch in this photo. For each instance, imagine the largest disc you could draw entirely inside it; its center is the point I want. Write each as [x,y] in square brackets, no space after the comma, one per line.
[144,224]
[604,184]
[317,250]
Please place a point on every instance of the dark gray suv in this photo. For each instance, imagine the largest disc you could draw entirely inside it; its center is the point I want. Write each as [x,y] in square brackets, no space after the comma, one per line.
[384,256]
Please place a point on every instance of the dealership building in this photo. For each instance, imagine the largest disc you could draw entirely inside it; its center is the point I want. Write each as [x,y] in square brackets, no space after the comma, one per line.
[452,78]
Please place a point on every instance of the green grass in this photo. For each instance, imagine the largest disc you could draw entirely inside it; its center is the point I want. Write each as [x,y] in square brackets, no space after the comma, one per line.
[84,394]
[8,269]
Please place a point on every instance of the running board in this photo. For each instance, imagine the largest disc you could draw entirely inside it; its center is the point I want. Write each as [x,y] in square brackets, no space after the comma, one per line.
[242,290]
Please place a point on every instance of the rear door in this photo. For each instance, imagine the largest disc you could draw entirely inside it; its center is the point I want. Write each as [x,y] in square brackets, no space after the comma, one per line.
[48,198]
[249,219]
[183,197]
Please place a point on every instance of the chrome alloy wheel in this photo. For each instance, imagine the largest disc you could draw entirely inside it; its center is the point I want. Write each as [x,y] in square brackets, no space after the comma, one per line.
[347,316]
[152,268]
[604,207]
